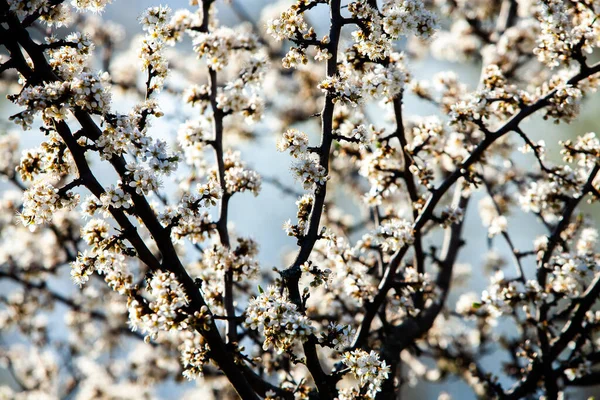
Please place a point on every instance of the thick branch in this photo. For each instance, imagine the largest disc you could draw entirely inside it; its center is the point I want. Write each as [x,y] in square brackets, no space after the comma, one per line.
[292,274]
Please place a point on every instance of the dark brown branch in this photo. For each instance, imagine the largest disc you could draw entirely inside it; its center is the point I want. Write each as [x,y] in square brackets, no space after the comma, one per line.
[428,211]
[399,337]
[411,187]
[292,274]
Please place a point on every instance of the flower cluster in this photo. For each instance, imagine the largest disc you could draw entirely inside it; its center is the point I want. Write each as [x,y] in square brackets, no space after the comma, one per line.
[562,34]
[320,276]
[217,46]
[141,179]
[288,25]
[408,17]
[70,61]
[194,354]
[309,171]
[119,136]
[90,5]
[240,97]
[504,294]
[350,278]
[377,166]
[240,260]
[188,220]
[294,141]
[237,177]
[338,336]
[544,196]
[116,197]
[278,320]
[392,235]
[565,103]
[167,297]
[41,201]
[191,137]
[107,262]
[370,371]
[88,91]
[585,150]
[154,20]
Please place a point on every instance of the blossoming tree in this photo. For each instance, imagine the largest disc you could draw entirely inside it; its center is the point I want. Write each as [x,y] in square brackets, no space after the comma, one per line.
[167,289]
